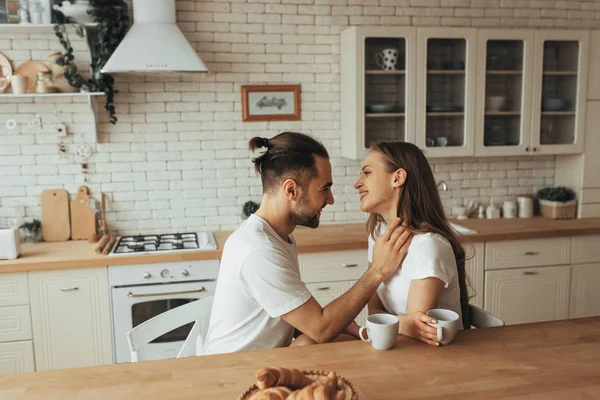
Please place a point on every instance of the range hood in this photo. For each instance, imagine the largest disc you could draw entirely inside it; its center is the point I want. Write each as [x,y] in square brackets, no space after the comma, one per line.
[154,43]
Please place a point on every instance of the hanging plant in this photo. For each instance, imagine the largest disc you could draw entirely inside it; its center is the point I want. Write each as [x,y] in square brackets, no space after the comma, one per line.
[112,19]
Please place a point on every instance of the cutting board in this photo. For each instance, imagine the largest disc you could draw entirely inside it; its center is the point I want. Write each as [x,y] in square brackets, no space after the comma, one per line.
[56,226]
[83,217]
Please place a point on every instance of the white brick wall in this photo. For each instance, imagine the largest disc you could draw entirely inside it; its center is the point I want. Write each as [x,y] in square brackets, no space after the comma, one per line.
[177,159]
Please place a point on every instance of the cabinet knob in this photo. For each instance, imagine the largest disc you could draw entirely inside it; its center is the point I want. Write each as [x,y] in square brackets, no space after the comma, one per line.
[530,273]
[531,253]
[69,289]
[324,288]
[185,272]
[535,149]
[349,265]
[146,275]
[527,149]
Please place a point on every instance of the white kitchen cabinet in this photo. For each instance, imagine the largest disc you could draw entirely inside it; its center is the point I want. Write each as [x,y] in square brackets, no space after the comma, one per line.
[527,253]
[13,289]
[559,91]
[591,167]
[585,291]
[70,312]
[504,79]
[16,357]
[377,104]
[15,323]
[326,292]
[445,108]
[593,92]
[474,267]
[528,294]
[333,265]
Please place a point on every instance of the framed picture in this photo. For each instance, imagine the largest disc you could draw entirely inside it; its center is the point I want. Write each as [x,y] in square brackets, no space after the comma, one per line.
[271,103]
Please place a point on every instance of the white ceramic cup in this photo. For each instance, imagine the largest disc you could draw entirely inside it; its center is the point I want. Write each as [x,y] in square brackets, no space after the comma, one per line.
[441,141]
[387,59]
[19,84]
[509,209]
[382,330]
[447,324]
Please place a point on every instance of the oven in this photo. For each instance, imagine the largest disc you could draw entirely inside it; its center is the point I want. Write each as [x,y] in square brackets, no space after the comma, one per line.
[140,292]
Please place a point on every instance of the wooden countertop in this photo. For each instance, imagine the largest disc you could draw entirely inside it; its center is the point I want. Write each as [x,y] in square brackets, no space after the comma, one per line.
[80,254]
[559,359]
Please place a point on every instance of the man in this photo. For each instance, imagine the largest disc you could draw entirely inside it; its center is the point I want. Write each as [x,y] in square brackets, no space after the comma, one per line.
[260,297]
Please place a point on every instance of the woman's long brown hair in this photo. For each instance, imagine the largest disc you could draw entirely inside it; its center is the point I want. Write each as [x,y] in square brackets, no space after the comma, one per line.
[420,206]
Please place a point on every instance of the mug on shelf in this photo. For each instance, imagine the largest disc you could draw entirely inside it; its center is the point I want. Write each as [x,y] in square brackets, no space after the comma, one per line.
[387,59]
[19,84]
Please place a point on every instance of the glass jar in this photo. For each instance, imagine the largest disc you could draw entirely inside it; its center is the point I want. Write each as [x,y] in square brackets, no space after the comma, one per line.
[44,83]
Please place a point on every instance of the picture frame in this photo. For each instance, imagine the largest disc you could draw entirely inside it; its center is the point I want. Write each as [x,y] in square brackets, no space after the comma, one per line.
[271,103]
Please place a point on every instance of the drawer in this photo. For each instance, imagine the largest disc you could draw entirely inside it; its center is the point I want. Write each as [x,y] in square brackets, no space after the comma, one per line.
[585,249]
[13,289]
[16,358]
[15,323]
[527,253]
[333,265]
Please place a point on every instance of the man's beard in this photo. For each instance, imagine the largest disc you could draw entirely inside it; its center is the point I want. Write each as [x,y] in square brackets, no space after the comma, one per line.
[302,216]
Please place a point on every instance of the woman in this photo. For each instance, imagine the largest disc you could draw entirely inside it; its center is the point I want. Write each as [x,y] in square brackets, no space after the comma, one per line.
[396,181]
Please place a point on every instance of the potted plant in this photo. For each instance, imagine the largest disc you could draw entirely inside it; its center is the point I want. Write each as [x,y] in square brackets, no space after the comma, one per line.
[32,231]
[249,208]
[111,20]
[557,202]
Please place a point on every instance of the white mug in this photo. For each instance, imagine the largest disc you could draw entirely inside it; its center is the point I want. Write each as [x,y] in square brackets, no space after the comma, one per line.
[19,84]
[387,59]
[509,209]
[447,324]
[382,330]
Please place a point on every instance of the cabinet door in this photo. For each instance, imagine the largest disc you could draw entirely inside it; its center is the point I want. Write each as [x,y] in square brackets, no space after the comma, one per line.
[591,161]
[528,294]
[446,91]
[504,75]
[585,291]
[70,312]
[326,292]
[13,289]
[378,88]
[594,70]
[559,91]
[475,270]
[16,357]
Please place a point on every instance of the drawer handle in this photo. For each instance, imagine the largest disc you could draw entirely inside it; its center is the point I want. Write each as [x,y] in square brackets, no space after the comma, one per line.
[531,253]
[530,273]
[324,288]
[69,289]
[349,265]
[131,294]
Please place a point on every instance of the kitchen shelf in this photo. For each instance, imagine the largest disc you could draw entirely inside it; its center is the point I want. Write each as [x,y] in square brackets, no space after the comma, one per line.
[504,72]
[561,73]
[384,115]
[566,113]
[384,72]
[502,113]
[26,28]
[446,71]
[445,114]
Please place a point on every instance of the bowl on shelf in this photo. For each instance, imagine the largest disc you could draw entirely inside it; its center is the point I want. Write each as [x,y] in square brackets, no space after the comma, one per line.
[378,108]
[454,65]
[553,103]
[495,103]
[443,107]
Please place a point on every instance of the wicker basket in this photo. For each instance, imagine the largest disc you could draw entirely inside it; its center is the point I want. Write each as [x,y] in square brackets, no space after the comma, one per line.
[343,383]
[558,210]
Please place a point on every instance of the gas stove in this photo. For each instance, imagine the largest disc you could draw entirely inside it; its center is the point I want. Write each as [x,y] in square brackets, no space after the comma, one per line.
[168,243]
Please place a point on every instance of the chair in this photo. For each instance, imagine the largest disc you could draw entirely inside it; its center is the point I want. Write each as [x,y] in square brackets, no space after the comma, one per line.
[196,311]
[483,319]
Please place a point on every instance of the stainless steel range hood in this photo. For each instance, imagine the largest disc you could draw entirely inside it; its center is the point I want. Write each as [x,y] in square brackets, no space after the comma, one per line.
[154,43]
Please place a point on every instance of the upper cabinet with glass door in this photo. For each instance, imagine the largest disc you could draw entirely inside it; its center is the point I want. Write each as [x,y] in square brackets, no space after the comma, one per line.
[559,91]
[377,87]
[446,95]
[504,82]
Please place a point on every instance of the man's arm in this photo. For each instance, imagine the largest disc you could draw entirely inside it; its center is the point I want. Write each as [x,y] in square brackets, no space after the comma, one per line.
[323,325]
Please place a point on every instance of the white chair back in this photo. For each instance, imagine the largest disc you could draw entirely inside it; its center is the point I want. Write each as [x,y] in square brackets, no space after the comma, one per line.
[196,311]
[483,319]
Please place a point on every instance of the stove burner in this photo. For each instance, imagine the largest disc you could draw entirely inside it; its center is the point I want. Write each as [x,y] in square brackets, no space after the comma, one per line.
[157,243]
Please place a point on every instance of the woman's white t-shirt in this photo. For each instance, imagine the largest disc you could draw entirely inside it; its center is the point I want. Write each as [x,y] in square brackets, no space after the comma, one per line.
[429,255]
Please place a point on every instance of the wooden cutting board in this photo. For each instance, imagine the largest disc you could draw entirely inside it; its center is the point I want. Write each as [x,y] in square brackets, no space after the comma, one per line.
[56,226]
[83,217]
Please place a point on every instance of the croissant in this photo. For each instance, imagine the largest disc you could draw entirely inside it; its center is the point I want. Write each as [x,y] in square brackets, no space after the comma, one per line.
[273,393]
[320,391]
[289,377]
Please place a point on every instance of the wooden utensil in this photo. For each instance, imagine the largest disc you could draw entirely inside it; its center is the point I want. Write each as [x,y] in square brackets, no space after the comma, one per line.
[56,225]
[109,245]
[83,217]
[103,241]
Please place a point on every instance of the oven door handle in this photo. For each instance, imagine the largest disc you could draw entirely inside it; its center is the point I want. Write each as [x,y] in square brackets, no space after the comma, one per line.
[130,294]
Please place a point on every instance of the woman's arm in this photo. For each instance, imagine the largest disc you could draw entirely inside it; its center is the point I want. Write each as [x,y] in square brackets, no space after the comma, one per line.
[423,295]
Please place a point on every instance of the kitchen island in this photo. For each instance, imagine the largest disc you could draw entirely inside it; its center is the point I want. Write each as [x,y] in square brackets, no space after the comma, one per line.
[559,359]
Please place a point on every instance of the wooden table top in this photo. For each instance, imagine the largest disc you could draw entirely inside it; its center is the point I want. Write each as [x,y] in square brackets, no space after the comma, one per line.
[80,254]
[559,359]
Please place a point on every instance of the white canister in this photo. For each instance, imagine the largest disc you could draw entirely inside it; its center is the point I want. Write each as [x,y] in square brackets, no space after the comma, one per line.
[19,83]
[509,209]
[525,206]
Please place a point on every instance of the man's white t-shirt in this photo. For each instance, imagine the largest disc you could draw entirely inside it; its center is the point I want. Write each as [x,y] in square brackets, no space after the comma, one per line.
[429,255]
[259,280]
